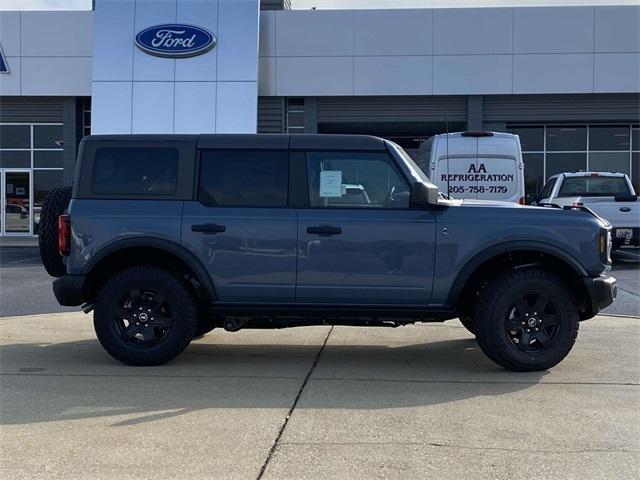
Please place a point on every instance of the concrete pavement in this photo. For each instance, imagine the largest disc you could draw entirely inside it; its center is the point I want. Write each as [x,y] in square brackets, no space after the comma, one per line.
[320,402]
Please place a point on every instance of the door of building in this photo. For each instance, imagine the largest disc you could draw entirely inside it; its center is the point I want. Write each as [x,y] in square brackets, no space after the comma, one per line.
[15,202]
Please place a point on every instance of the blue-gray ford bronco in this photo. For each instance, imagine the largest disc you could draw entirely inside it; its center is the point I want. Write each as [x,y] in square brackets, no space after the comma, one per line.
[166,237]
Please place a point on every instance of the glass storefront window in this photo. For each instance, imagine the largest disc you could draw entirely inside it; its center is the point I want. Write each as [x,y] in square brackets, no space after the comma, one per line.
[28,147]
[15,159]
[609,138]
[533,172]
[15,136]
[565,162]
[635,138]
[531,138]
[609,162]
[43,182]
[47,136]
[567,138]
[47,159]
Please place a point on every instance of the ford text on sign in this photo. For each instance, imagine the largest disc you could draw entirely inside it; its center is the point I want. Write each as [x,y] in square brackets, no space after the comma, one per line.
[175,40]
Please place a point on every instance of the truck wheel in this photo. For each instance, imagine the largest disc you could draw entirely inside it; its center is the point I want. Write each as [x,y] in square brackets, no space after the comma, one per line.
[526,320]
[55,205]
[145,315]
[467,322]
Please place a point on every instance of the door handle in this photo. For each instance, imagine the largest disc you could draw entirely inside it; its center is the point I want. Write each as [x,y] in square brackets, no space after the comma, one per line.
[325,230]
[208,228]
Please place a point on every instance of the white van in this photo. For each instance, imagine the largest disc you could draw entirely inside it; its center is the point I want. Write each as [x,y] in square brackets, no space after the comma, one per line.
[477,165]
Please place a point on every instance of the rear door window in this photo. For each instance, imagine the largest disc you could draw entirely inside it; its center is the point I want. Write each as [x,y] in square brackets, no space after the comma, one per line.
[135,171]
[244,178]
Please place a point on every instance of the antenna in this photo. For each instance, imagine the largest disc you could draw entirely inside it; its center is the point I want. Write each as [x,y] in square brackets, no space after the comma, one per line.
[447,127]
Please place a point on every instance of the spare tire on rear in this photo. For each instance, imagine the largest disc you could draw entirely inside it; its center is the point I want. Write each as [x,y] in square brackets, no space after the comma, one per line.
[55,205]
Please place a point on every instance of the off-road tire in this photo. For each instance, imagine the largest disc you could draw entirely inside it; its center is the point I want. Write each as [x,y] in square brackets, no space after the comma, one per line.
[467,322]
[55,205]
[492,311]
[179,300]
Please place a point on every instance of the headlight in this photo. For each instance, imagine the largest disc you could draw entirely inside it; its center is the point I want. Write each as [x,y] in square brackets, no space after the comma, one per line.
[604,245]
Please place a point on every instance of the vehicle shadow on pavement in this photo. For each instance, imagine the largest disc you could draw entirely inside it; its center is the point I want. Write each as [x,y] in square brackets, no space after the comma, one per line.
[77,380]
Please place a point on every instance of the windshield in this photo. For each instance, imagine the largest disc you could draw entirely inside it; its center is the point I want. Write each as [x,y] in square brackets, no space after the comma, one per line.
[594,187]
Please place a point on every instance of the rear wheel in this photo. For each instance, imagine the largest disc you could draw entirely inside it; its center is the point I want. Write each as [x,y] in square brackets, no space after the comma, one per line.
[526,320]
[145,316]
[55,205]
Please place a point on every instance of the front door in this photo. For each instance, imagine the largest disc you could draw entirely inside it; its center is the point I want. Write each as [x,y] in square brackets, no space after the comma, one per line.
[360,242]
[15,204]
[240,226]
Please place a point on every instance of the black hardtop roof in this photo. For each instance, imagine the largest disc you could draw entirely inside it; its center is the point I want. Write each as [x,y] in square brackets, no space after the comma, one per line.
[256,140]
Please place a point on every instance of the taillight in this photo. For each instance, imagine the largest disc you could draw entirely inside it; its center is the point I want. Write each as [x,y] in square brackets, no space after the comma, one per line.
[521,201]
[577,204]
[64,235]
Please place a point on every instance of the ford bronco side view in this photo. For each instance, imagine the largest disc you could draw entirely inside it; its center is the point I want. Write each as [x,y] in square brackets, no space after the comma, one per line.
[166,237]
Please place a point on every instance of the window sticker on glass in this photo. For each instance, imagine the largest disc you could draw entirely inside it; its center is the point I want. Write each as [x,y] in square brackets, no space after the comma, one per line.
[331,184]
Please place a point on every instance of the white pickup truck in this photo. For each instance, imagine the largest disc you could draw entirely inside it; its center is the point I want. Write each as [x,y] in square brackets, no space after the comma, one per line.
[610,195]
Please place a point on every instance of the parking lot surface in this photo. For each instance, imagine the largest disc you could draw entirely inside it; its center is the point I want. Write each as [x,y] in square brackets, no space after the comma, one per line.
[319,402]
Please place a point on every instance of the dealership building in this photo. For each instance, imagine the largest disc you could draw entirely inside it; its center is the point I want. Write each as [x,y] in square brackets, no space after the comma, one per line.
[566,79]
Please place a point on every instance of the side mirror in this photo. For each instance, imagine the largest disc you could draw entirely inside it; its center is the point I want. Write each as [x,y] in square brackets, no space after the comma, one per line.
[423,194]
[531,198]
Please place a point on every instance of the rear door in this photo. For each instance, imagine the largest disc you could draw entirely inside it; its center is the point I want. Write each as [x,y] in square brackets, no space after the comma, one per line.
[376,252]
[499,169]
[240,225]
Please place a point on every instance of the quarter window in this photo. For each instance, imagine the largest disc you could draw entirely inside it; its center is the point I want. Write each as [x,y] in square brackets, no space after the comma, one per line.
[135,171]
[355,180]
[245,178]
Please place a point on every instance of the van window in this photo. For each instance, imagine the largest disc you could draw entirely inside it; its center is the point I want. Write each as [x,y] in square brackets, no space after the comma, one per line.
[355,180]
[244,178]
[135,171]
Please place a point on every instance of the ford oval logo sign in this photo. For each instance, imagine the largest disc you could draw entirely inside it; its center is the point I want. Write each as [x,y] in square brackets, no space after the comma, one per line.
[175,40]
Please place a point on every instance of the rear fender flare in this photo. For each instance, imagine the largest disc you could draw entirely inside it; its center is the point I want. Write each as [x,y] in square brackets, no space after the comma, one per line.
[200,272]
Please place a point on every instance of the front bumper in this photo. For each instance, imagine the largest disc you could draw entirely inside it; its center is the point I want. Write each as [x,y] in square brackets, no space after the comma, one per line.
[68,290]
[602,291]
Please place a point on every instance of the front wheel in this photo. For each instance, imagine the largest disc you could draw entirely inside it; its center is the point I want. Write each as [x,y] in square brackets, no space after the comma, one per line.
[145,315]
[526,320]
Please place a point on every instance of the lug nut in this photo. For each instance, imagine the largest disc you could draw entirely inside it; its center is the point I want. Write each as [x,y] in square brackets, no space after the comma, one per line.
[522,323]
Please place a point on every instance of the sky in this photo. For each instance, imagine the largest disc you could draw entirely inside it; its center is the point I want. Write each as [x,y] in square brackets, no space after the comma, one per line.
[329,4]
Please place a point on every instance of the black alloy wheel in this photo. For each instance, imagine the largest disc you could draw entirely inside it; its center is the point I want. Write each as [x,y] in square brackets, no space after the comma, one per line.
[143,317]
[533,322]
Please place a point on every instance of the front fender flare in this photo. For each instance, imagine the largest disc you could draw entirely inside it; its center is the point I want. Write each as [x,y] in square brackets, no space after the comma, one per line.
[506,247]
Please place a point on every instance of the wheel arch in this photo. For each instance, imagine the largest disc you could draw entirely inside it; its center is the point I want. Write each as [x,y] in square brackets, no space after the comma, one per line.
[122,254]
[519,254]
